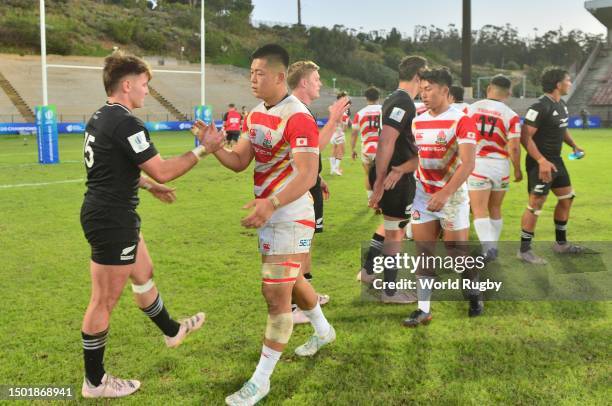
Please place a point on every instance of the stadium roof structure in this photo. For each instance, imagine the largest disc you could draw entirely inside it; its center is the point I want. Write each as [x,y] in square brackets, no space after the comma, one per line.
[601,10]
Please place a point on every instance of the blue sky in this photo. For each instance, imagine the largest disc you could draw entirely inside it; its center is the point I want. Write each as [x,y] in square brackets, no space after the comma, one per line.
[405,14]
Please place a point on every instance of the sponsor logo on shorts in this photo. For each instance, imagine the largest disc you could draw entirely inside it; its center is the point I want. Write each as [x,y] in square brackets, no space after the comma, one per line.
[539,188]
[304,242]
[505,184]
[476,182]
[128,253]
[252,133]
[265,246]
[416,215]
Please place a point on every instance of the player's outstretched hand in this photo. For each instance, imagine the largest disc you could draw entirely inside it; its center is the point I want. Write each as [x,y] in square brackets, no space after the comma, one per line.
[325,189]
[262,211]
[394,175]
[337,109]
[162,192]
[438,200]
[354,155]
[209,136]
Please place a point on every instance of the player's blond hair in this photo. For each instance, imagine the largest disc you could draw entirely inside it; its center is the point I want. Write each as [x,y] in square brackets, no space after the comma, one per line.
[118,65]
[298,71]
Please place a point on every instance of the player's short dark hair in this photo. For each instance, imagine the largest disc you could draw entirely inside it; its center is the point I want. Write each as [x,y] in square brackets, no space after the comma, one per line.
[551,77]
[231,105]
[411,66]
[372,94]
[272,53]
[440,76]
[341,95]
[119,65]
[457,93]
[501,81]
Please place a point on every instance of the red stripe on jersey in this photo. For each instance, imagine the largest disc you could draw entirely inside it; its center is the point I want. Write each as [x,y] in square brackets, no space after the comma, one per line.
[291,264]
[434,124]
[430,189]
[260,177]
[489,149]
[438,174]
[259,118]
[371,139]
[306,223]
[281,176]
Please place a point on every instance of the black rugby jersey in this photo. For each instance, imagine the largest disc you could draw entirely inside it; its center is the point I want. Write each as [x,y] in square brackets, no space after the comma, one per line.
[398,111]
[115,143]
[551,120]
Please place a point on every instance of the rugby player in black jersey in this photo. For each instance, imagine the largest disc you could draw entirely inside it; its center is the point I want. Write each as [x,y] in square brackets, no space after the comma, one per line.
[115,150]
[391,176]
[543,134]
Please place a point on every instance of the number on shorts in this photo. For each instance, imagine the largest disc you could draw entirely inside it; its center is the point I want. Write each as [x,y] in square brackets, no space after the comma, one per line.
[88,154]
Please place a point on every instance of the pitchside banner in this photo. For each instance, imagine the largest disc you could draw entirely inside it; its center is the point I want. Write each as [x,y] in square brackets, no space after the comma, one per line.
[46,130]
[203,113]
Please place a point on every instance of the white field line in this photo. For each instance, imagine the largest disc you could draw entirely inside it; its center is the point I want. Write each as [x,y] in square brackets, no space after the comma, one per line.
[41,183]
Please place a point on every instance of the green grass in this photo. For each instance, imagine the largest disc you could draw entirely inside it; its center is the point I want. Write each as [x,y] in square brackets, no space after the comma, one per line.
[517,353]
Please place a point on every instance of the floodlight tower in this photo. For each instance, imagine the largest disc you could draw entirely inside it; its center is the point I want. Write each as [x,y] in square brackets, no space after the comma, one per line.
[466,42]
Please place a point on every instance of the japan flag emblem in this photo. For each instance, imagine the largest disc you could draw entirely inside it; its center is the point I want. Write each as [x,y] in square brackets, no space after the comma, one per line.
[301,142]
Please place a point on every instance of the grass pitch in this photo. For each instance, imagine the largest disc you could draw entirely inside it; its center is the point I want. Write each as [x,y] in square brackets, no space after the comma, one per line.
[517,353]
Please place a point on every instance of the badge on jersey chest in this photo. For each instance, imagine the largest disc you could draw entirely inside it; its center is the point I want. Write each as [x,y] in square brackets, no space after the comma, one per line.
[441,138]
[267,141]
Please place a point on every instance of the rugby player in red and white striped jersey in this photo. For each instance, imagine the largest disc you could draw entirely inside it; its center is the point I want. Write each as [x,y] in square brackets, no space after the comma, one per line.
[498,142]
[366,125]
[446,141]
[281,136]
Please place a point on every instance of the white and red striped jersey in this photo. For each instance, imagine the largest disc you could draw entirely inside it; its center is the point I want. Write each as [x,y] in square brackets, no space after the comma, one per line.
[367,122]
[343,124]
[276,135]
[438,139]
[496,124]
[420,107]
[463,107]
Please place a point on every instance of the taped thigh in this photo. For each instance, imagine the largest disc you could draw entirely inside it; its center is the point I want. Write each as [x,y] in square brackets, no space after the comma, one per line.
[284,272]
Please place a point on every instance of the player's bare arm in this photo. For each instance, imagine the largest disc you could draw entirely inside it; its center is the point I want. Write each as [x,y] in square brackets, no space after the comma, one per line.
[354,135]
[386,144]
[514,150]
[467,155]
[545,167]
[164,170]
[567,138]
[238,159]
[306,164]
